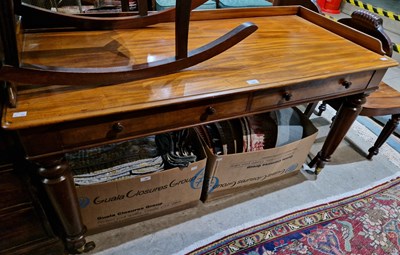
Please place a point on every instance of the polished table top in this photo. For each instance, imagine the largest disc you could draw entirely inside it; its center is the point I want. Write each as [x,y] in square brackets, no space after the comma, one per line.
[286,49]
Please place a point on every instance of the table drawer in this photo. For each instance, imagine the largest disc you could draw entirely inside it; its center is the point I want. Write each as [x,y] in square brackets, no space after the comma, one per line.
[154,121]
[310,90]
[129,125]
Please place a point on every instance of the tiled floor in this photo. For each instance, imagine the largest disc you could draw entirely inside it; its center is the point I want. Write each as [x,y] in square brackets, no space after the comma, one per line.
[389,5]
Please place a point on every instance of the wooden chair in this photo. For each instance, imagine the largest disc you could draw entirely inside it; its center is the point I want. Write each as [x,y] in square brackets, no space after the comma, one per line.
[384,101]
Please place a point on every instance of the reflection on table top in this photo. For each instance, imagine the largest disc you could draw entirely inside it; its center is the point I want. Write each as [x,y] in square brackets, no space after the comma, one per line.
[285,49]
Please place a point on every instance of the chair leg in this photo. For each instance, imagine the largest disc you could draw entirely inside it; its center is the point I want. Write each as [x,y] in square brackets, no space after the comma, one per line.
[310,109]
[390,126]
[321,108]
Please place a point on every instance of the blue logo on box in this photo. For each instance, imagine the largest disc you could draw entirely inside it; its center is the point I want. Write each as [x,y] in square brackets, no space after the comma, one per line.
[84,202]
[213,184]
[292,168]
[197,180]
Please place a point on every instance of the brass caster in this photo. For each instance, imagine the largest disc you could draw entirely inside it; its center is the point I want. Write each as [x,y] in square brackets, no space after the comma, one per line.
[318,170]
[86,248]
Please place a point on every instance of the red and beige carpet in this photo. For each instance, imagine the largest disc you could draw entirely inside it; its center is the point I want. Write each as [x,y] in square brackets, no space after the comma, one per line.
[364,223]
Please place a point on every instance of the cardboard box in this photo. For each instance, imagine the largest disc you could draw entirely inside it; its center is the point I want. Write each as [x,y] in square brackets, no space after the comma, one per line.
[226,174]
[114,204]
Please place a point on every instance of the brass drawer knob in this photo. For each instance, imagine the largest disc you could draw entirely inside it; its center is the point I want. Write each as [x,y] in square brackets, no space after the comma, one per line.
[287,96]
[211,110]
[118,127]
[346,84]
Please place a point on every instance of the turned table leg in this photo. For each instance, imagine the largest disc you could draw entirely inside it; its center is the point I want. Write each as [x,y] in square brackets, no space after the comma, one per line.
[345,117]
[59,186]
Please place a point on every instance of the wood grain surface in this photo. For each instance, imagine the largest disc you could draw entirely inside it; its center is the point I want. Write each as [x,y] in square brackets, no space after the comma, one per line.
[384,101]
[285,50]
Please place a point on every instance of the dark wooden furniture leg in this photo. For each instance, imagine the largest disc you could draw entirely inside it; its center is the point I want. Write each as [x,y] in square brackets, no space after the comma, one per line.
[125,5]
[390,126]
[143,7]
[321,108]
[345,117]
[310,109]
[59,186]
[9,47]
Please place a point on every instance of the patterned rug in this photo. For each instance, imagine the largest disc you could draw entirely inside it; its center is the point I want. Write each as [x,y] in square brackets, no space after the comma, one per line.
[365,223]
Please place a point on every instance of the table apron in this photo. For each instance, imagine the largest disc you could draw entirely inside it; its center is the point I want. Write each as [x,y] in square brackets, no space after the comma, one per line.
[61,138]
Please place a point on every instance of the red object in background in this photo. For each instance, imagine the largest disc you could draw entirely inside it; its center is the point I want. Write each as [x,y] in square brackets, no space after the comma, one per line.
[330,6]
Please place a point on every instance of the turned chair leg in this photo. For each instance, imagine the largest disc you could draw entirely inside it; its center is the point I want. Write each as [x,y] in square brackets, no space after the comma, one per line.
[321,108]
[390,126]
[310,109]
